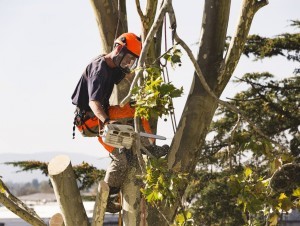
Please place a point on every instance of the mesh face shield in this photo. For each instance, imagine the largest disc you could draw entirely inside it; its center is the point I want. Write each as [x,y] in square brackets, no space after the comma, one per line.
[126,60]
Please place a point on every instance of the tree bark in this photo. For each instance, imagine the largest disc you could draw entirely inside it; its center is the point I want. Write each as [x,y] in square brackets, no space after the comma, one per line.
[100,204]
[66,191]
[236,47]
[18,207]
[132,197]
[111,20]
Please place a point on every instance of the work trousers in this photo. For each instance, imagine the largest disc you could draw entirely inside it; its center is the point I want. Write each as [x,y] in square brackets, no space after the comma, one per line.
[117,170]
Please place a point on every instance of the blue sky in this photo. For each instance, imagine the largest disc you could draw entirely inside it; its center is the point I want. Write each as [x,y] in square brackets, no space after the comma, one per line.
[45,45]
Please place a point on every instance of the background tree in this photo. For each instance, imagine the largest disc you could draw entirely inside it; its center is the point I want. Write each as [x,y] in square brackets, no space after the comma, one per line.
[244,167]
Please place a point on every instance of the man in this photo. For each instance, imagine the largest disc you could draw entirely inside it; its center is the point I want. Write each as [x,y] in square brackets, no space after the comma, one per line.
[91,97]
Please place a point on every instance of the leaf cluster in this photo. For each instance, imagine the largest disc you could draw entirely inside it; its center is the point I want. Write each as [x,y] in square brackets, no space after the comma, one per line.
[154,97]
[255,196]
[211,199]
[173,56]
[161,184]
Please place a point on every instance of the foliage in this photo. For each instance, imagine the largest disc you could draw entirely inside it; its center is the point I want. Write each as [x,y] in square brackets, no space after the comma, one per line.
[255,196]
[154,96]
[173,56]
[287,45]
[212,203]
[258,181]
[251,173]
[30,166]
[86,174]
[163,186]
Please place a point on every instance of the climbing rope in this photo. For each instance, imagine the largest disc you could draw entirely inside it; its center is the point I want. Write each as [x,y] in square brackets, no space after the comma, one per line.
[166,78]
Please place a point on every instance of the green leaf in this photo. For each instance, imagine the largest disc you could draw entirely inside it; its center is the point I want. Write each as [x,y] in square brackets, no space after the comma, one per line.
[286,204]
[273,219]
[247,172]
[151,197]
[296,192]
[282,196]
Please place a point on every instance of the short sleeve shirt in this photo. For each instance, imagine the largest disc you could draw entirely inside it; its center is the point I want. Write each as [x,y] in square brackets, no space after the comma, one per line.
[96,83]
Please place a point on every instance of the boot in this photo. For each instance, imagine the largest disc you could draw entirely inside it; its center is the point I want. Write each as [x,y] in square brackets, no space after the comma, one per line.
[113,205]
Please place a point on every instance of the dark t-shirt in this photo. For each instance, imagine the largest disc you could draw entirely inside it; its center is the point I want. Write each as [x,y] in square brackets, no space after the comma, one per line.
[96,83]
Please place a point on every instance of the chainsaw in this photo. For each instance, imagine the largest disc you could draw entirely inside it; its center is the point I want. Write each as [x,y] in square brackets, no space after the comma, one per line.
[120,136]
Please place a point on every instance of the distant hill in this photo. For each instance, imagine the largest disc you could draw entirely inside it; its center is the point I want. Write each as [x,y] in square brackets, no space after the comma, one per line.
[9,173]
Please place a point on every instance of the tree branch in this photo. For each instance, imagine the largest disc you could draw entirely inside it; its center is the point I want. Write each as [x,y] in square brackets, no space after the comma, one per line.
[261,3]
[66,191]
[211,93]
[235,50]
[139,10]
[18,207]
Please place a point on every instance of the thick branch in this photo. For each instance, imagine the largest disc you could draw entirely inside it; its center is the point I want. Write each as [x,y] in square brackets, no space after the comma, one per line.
[139,10]
[212,94]
[66,191]
[18,207]
[235,50]
[100,204]
[111,20]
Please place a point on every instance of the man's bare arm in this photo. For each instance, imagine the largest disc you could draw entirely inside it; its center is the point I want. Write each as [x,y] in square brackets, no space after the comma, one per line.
[98,110]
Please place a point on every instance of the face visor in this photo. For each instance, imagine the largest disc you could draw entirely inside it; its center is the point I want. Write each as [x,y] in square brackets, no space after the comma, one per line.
[126,60]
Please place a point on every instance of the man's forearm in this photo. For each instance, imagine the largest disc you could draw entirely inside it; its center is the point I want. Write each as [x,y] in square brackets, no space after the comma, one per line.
[98,110]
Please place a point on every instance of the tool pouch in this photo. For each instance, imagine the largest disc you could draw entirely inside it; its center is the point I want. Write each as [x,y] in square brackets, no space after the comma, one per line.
[87,123]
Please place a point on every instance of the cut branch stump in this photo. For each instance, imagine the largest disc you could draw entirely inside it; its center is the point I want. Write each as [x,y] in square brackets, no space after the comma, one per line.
[66,191]
[56,220]
[100,204]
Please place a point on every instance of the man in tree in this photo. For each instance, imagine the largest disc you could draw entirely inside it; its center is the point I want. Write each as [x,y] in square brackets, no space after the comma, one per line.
[91,97]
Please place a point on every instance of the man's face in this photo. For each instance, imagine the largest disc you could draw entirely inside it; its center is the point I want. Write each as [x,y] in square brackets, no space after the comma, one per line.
[125,59]
[128,61]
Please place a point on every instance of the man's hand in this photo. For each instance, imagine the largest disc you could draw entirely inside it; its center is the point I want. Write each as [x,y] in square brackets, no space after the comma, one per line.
[112,122]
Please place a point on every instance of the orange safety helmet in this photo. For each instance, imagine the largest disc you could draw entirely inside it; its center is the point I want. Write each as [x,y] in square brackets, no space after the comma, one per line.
[131,41]
[128,55]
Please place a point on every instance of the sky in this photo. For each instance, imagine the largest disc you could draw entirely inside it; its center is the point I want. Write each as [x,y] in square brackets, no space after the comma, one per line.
[46,44]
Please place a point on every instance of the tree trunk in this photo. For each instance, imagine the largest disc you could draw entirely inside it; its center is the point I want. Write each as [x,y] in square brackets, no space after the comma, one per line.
[66,191]
[100,204]
[111,19]
[132,197]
